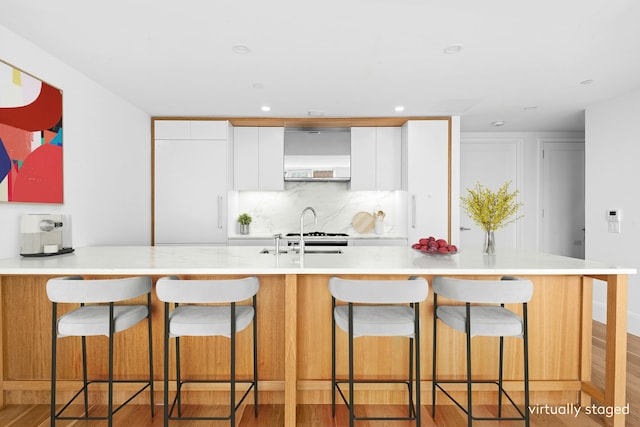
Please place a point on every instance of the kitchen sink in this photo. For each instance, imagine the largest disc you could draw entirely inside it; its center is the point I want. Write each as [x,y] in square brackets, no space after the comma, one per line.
[306,251]
[322,251]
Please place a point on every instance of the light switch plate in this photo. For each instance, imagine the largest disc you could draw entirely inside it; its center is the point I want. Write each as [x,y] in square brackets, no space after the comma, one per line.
[614,227]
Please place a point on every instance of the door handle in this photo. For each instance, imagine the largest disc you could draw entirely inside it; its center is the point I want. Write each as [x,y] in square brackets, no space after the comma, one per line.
[413,211]
[462,228]
[220,212]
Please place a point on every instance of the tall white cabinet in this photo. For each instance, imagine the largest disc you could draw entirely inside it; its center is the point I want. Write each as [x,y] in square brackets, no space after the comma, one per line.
[425,177]
[191,180]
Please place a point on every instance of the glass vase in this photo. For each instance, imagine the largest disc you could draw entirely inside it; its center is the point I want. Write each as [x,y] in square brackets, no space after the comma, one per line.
[489,243]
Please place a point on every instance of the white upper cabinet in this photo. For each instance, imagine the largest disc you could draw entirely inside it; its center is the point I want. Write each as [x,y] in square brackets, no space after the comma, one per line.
[245,158]
[376,158]
[258,158]
[388,158]
[191,129]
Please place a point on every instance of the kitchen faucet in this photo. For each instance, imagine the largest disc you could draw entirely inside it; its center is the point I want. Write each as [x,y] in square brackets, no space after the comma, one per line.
[315,221]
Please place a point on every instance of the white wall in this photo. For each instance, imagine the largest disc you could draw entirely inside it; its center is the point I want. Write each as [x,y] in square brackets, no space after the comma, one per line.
[528,171]
[107,163]
[612,151]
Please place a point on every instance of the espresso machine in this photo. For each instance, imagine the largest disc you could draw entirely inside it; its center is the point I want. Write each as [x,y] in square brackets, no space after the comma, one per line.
[45,235]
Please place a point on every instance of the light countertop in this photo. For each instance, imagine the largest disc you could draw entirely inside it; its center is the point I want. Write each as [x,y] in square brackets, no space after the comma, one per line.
[165,260]
[350,236]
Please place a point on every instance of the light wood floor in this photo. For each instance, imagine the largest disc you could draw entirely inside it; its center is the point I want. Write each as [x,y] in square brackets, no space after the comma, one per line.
[320,415]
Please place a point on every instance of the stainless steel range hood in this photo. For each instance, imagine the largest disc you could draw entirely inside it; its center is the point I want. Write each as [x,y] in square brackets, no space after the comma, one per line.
[317,154]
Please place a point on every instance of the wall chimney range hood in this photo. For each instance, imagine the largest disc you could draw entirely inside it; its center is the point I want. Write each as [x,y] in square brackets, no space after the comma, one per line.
[317,154]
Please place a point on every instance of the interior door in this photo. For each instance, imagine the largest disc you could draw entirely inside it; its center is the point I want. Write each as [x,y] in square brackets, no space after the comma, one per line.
[490,163]
[562,216]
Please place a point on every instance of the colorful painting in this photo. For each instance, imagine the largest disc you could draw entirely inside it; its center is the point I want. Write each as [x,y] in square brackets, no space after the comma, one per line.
[30,138]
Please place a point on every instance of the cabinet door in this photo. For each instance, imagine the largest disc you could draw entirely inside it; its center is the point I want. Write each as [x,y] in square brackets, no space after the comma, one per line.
[388,158]
[209,129]
[271,158]
[190,129]
[425,157]
[172,129]
[363,158]
[258,158]
[190,192]
[246,158]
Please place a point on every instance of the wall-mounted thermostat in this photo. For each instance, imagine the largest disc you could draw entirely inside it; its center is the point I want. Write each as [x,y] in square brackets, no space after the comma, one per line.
[613,220]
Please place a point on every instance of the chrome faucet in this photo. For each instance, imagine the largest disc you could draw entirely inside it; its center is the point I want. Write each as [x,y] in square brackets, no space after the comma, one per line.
[315,221]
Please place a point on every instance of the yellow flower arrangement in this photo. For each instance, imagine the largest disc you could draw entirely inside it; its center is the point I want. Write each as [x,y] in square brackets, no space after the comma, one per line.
[490,210]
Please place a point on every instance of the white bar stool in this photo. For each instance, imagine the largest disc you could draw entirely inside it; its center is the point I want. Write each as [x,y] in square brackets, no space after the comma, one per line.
[491,318]
[98,314]
[194,318]
[389,308]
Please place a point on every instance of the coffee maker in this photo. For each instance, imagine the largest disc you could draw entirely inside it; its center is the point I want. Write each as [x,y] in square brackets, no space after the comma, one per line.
[44,235]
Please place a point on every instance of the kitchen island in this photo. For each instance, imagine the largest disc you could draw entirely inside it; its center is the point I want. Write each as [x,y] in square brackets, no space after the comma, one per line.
[294,321]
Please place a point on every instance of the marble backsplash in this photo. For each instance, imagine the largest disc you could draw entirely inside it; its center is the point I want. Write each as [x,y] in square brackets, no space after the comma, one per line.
[335,204]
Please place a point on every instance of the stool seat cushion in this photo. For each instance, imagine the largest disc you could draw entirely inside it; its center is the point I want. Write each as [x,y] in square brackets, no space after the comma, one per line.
[377,321]
[485,320]
[200,320]
[94,319]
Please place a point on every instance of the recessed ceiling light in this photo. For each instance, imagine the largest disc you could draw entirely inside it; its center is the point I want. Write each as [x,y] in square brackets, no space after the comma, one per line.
[265,108]
[399,108]
[240,48]
[586,82]
[453,49]
[497,123]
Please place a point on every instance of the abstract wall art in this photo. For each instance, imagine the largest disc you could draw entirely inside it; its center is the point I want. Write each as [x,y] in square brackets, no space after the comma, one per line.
[30,138]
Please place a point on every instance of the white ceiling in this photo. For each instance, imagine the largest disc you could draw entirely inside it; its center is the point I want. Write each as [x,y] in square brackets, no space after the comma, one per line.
[348,58]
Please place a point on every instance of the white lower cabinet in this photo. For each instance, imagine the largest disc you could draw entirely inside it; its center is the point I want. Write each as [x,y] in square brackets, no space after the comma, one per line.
[190,191]
[265,242]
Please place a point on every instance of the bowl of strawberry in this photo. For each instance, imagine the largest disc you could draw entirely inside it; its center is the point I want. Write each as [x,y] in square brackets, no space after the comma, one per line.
[432,246]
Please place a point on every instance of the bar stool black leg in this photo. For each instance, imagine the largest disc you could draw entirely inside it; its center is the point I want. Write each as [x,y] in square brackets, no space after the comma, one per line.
[434,381]
[166,365]
[151,389]
[525,343]
[501,360]
[255,358]
[54,348]
[333,359]
[417,338]
[233,365]
[85,382]
[468,334]
[411,408]
[351,389]
[111,332]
